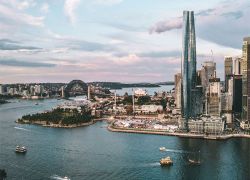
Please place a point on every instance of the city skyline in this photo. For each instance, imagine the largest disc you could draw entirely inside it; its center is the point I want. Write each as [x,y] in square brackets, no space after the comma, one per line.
[43,41]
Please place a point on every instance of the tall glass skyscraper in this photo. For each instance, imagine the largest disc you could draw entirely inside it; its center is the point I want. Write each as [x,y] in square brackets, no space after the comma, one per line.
[188,66]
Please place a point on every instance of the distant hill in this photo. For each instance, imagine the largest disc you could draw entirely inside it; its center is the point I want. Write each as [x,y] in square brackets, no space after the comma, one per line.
[166,83]
[118,85]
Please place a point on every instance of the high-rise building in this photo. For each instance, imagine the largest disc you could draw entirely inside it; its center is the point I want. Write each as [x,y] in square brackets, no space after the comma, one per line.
[188,65]
[245,71]
[237,66]
[1,89]
[208,71]
[213,97]
[177,82]
[228,70]
[237,94]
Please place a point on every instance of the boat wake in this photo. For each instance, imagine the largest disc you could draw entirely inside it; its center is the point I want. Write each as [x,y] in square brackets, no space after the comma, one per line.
[23,129]
[176,151]
[58,177]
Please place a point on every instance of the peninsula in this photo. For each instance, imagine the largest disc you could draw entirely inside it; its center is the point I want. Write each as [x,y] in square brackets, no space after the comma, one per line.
[68,115]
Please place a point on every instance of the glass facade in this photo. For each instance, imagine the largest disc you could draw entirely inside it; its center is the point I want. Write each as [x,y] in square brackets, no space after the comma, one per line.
[188,65]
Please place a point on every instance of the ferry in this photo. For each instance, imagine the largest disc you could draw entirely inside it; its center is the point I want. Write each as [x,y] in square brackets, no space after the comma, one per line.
[20,149]
[166,161]
[162,149]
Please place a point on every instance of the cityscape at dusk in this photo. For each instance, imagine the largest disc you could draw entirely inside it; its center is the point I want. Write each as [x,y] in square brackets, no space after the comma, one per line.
[118,89]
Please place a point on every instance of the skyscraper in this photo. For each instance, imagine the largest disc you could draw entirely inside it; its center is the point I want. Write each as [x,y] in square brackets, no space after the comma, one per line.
[245,71]
[228,70]
[177,81]
[237,67]
[188,65]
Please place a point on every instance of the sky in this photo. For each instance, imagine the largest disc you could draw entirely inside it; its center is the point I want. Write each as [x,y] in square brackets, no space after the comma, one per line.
[113,40]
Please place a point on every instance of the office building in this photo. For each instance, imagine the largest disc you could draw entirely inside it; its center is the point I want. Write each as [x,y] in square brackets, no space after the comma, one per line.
[188,65]
[177,82]
[208,71]
[213,97]
[237,94]
[1,89]
[237,66]
[228,70]
[245,71]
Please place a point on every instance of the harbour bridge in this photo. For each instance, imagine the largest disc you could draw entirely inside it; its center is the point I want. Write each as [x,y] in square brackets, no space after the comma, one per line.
[76,87]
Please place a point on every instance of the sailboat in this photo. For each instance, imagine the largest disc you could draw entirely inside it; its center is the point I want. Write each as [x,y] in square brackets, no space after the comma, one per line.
[194,161]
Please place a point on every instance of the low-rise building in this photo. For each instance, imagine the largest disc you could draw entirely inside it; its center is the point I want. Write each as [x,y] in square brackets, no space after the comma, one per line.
[148,109]
[245,125]
[204,125]
[140,92]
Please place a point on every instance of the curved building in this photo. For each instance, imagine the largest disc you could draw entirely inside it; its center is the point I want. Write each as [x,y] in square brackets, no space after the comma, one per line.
[188,65]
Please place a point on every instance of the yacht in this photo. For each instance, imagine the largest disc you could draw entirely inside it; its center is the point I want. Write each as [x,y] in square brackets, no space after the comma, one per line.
[166,161]
[194,161]
[21,149]
[162,149]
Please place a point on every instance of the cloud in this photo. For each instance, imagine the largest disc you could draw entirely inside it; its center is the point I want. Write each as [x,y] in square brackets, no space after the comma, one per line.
[69,8]
[45,8]
[16,63]
[235,14]
[13,15]
[224,20]
[107,2]
[162,26]
[161,54]
[7,44]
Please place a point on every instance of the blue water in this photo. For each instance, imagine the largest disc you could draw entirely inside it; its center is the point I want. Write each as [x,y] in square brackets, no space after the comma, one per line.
[95,153]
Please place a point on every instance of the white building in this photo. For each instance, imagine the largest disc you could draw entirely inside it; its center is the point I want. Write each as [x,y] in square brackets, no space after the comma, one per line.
[245,125]
[147,109]
[204,125]
[140,92]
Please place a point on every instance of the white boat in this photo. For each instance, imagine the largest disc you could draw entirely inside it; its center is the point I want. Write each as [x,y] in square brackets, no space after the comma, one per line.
[20,149]
[66,178]
[162,149]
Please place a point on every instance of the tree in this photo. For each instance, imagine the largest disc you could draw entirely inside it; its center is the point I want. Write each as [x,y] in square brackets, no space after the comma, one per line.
[128,100]
[144,100]
[125,95]
[164,103]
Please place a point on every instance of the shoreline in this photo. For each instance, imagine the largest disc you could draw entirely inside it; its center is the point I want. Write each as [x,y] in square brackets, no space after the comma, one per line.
[181,135]
[43,124]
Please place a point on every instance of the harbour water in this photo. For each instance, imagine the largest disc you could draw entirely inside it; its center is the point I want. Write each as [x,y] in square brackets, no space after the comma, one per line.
[95,153]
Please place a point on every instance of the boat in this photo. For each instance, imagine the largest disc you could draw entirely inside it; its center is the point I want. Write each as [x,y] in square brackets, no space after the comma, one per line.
[21,149]
[36,104]
[166,161]
[162,149]
[194,161]
[66,178]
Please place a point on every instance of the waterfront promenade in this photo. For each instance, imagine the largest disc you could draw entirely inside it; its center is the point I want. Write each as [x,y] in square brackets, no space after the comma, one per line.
[179,134]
